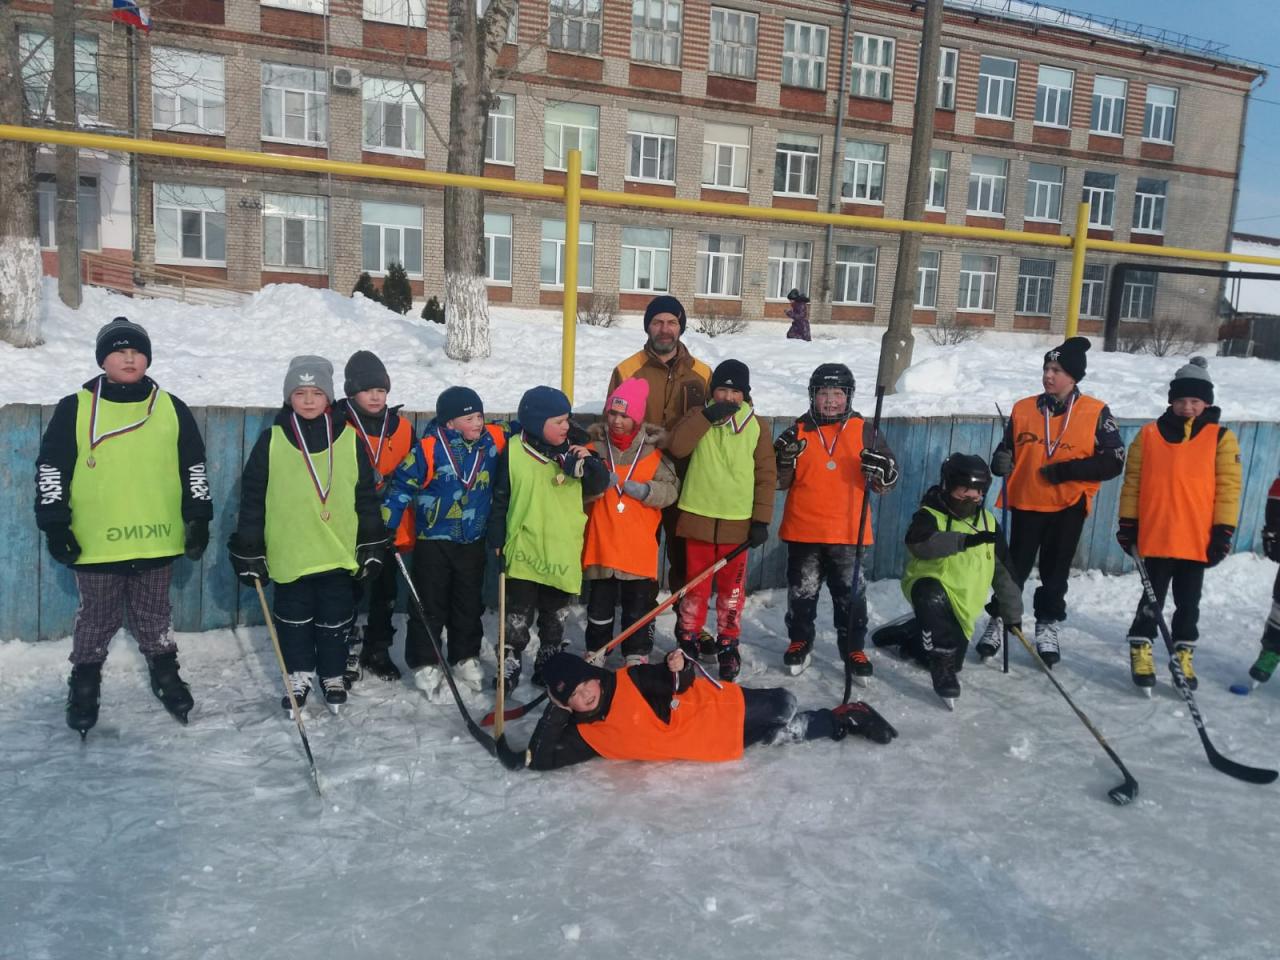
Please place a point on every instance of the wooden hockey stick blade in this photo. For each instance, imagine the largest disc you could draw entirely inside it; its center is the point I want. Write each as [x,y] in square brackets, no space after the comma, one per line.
[513,713]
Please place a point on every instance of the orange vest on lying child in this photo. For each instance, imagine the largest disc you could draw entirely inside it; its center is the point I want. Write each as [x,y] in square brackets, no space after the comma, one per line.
[622,533]
[823,502]
[706,724]
[1071,436]
[1175,494]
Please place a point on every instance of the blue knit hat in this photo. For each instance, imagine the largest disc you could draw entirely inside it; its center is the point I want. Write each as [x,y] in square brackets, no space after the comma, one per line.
[457,402]
[539,405]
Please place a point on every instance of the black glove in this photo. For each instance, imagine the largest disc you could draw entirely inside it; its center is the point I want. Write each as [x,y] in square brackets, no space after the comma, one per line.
[720,410]
[877,468]
[62,543]
[978,539]
[248,560]
[788,447]
[196,533]
[1271,544]
[1001,462]
[1220,543]
[369,559]
[577,436]
[572,464]
[861,718]
[1127,534]
[758,533]
[1054,473]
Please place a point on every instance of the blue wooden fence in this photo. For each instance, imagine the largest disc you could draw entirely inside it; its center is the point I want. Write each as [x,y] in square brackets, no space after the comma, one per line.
[38,599]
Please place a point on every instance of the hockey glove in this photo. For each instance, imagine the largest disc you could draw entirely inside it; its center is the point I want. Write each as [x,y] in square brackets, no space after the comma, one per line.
[577,436]
[196,533]
[788,447]
[1055,473]
[248,560]
[758,534]
[1127,533]
[369,559]
[636,489]
[1271,544]
[720,410]
[862,719]
[63,545]
[1001,462]
[1220,543]
[979,539]
[880,471]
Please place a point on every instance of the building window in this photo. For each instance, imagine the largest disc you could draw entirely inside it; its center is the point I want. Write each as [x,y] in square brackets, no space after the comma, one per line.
[872,67]
[1148,205]
[88,211]
[652,141]
[947,66]
[1138,296]
[1093,289]
[571,126]
[306,6]
[655,31]
[1161,111]
[987,178]
[997,79]
[411,13]
[482,7]
[1044,192]
[646,260]
[191,224]
[726,149]
[35,54]
[393,116]
[1107,116]
[552,261]
[575,26]
[863,171]
[1100,194]
[497,247]
[1053,97]
[294,104]
[500,131]
[855,275]
[927,280]
[733,43]
[795,165]
[293,231]
[789,262]
[719,265]
[1035,287]
[187,91]
[939,173]
[977,283]
[804,55]
[391,233]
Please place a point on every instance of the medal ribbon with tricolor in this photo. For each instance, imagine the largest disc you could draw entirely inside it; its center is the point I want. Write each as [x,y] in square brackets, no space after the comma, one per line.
[608,448]
[1052,448]
[374,455]
[321,491]
[469,480]
[96,438]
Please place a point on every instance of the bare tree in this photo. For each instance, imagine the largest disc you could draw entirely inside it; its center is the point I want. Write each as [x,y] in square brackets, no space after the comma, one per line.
[20,268]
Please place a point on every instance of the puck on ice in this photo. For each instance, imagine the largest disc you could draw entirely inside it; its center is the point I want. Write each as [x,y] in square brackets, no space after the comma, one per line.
[1240,688]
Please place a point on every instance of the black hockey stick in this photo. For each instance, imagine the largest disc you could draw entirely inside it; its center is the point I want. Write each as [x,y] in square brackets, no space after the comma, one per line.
[1230,767]
[1004,526]
[1122,794]
[858,612]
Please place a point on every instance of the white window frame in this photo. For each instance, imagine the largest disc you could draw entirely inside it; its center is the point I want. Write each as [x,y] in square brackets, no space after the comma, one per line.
[166,197]
[303,6]
[804,55]
[1137,297]
[862,179]
[1044,197]
[1053,99]
[719,270]
[986,188]
[194,79]
[732,48]
[35,59]
[281,210]
[1159,116]
[656,27]
[553,245]
[369,219]
[928,271]
[315,110]
[1101,201]
[977,290]
[855,275]
[637,255]
[1149,207]
[939,180]
[996,92]
[496,241]
[872,59]
[1035,287]
[502,117]
[790,266]
[380,96]
[714,154]
[580,26]
[88,211]
[948,70]
[1093,290]
[1106,113]
[555,154]
[650,148]
[408,13]
[795,161]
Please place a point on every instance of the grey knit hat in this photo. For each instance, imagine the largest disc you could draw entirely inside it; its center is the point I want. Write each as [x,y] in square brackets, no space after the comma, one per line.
[1192,380]
[309,371]
[122,334]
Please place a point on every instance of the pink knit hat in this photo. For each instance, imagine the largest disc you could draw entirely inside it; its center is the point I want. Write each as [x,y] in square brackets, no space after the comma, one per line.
[631,398]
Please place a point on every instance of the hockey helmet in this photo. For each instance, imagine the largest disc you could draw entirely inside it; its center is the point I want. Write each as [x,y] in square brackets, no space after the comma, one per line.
[831,375]
[965,470]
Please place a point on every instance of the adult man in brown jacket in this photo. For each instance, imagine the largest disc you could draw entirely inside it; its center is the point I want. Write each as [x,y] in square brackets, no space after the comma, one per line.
[677,384]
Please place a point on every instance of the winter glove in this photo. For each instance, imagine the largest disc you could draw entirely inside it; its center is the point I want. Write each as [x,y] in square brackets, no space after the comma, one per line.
[636,489]
[1220,543]
[577,436]
[1271,544]
[979,539]
[880,471]
[196,533]
[758,533]
[63,545]
[572,464]
[1127,533]
[788,447]
[369,559]
[1010,607]
[1055,473]
[1001,462]
[862,719]
[248,560]
[720,410]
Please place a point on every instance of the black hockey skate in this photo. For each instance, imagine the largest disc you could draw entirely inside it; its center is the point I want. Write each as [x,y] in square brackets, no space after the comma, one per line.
[377,661]
[707,646]
[335,693]
[730,660]
[355,647]
[168,685]
[942,671]
[84,688]
[798,656]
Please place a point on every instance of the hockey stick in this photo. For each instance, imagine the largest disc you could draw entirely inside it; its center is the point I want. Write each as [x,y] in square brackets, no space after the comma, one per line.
[596,657]
[1122,794]
[1230,767]
[288,687]
[500,687]
[858,622]
[1004,526]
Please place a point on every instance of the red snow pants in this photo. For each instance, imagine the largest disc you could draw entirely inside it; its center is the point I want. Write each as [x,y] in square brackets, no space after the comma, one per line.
[729,591]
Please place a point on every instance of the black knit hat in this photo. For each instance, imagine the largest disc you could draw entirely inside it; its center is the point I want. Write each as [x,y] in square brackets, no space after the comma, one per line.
[732,373]
[364,371]
[665,304]
[1070,356]
[457,402]
[564,672]
[1192,380]
[122,334]
[537,406]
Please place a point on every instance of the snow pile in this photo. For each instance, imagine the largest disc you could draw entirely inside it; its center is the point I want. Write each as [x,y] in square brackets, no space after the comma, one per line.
[1255,296]
[237,357]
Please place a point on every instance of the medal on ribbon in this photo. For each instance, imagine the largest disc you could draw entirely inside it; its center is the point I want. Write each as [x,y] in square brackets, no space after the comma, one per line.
[95,438]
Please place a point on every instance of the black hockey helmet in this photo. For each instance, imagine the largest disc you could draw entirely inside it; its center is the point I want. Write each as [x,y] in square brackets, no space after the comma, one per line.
[965,470]
[831,375]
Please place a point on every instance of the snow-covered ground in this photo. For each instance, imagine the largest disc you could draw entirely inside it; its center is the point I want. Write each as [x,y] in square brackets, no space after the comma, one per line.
[237,357]
[981,834]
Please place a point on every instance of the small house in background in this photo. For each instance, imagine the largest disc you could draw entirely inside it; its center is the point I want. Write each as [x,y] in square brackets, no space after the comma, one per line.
[1251,306]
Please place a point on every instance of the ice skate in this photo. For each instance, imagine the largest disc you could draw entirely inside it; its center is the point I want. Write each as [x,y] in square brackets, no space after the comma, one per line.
[1264,667]
[355,645]
[169,687]
[510,673]
[467,674]
[991,639]
[300,684]
[1047,642]
[1142,665]
[1183,653]
[84,691]
[707,646]
[730,660]
[798,657]
[378,662]
[335,694]
[861,668]
[942,671]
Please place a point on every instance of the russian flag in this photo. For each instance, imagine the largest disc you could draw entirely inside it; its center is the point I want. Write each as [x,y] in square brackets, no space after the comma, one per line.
[128,11]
